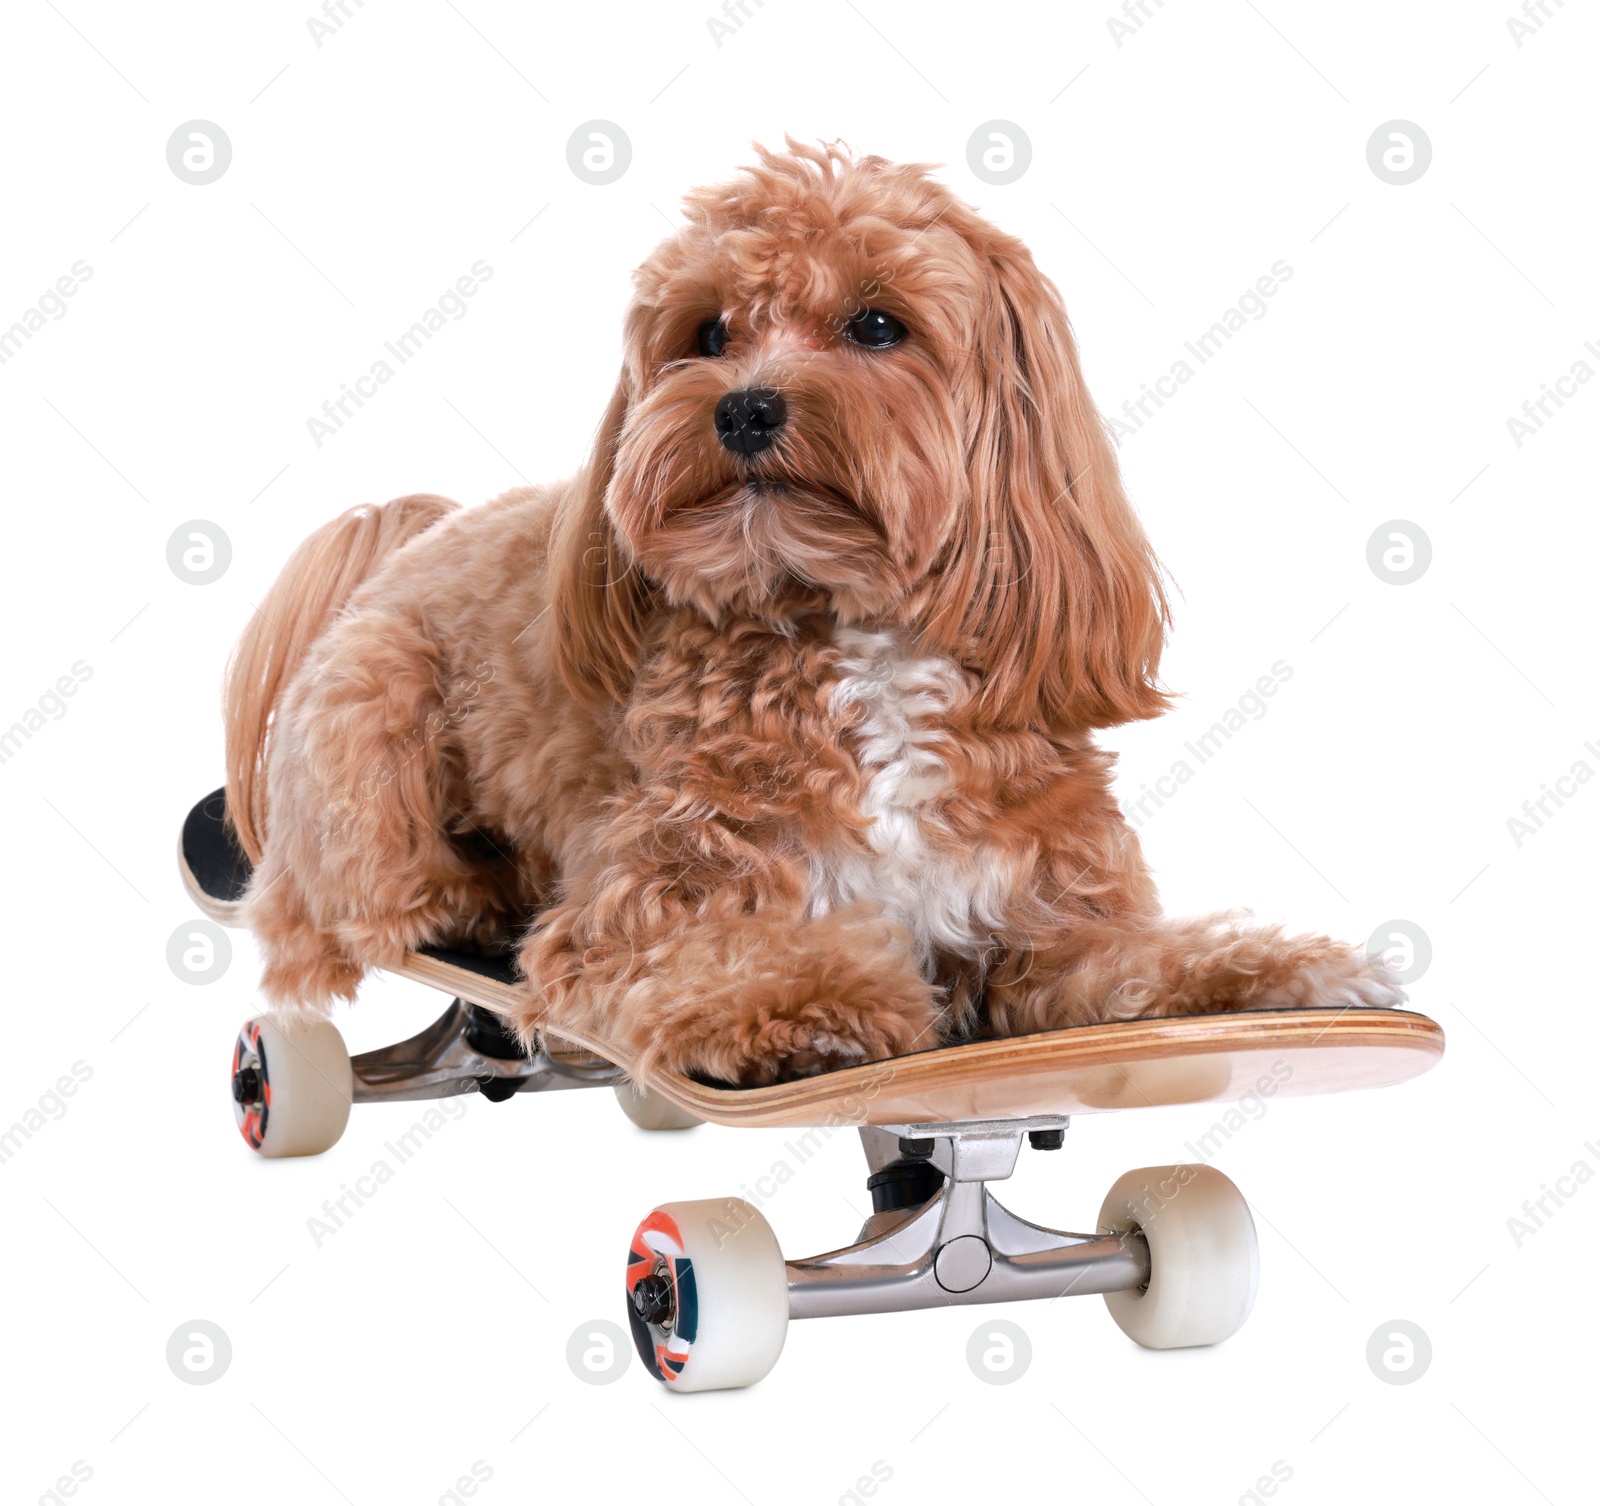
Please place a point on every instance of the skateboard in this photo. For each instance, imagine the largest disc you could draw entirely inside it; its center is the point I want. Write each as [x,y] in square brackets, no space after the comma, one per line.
[709,1292]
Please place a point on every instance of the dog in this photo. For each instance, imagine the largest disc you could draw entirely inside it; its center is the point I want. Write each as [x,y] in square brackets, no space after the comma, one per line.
[768,740]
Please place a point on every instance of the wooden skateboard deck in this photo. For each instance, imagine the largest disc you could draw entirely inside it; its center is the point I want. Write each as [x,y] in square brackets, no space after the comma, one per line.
[1090,1069]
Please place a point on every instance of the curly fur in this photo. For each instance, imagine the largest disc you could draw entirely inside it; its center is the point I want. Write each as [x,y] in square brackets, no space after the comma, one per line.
[790,755]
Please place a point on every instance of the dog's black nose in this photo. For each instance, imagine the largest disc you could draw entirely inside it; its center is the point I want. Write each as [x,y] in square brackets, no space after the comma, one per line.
[748,420]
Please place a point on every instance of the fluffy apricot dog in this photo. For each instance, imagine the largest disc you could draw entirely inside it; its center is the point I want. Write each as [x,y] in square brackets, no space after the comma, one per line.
[768,739]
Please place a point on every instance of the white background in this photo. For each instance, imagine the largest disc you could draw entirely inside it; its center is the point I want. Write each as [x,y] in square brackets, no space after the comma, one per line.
[1167,175]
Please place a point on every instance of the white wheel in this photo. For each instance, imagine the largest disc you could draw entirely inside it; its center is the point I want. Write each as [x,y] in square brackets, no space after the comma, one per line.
[1204,1263]
[650,1111]
[708,1295]
[292,1085]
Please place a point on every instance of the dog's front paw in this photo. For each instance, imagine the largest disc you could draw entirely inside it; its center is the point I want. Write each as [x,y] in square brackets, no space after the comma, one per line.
[741,999]
[1338,977]
[766,1041]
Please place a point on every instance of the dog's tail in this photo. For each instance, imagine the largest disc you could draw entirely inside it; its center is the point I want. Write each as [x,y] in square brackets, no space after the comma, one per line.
[313,588]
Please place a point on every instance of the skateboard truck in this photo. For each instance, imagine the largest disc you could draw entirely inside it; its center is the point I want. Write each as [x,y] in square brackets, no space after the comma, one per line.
[293,1083]
[937,1236]
[468,1049]
[959,1244]
[710,1295]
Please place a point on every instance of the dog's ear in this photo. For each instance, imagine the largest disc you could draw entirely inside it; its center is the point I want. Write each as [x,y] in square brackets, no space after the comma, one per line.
[1049,586]
[598,599]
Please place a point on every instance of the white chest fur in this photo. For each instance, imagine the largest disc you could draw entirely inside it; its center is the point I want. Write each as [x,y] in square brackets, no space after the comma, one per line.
[949,899]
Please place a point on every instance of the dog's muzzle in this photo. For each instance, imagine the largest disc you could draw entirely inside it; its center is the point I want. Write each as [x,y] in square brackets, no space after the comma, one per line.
[748,420]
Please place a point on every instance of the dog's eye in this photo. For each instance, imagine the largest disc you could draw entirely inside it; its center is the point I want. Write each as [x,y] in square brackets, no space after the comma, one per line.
[874,329]
[713,337]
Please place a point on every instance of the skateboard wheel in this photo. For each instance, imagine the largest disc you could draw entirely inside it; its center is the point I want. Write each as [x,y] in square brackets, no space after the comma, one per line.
[292,1085]
[651,1111]
[1204,1263]
[708,1295]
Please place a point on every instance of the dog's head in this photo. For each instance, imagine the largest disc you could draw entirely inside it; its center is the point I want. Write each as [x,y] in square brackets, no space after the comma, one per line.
[846,391]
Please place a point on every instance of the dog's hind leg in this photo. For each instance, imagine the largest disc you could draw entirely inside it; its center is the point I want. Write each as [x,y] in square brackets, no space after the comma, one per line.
[361,816]
[306,967]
